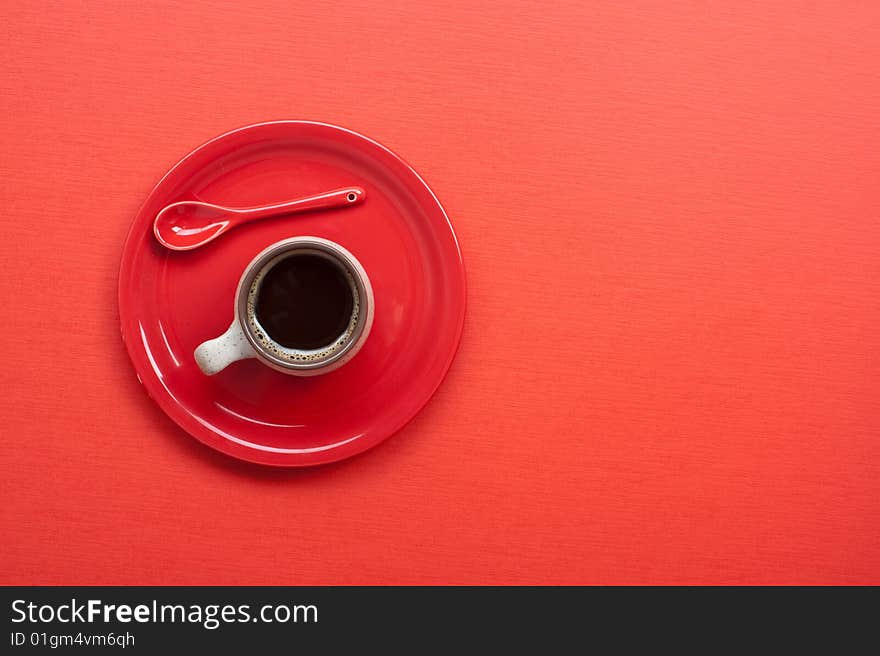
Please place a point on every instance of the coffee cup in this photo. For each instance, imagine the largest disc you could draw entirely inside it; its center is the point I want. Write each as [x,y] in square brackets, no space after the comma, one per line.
[303,306]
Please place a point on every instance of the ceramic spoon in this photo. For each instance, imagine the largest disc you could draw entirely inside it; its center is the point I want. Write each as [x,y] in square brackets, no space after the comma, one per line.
[189,224]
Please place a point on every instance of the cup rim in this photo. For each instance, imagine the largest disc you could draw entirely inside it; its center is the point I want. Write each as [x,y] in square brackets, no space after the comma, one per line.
[340,255]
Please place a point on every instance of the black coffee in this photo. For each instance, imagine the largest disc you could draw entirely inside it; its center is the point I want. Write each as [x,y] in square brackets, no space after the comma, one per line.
[304,302]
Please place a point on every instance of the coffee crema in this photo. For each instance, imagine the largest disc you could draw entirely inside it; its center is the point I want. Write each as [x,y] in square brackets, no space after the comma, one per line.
[303,307]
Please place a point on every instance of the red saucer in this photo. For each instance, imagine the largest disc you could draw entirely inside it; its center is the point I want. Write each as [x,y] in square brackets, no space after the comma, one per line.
[170,302]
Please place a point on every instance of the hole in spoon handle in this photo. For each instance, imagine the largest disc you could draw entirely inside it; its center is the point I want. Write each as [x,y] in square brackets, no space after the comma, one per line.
[354,195]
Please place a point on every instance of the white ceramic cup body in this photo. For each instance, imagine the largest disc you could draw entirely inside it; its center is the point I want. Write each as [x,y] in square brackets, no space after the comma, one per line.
[240,342]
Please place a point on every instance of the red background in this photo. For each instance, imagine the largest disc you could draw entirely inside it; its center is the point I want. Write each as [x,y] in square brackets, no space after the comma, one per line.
[669,368]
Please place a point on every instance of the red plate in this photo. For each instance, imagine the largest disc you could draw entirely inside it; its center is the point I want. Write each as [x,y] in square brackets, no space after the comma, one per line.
[170,302]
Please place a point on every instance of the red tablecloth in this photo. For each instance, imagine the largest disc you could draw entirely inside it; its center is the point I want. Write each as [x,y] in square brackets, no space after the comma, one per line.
[670,368]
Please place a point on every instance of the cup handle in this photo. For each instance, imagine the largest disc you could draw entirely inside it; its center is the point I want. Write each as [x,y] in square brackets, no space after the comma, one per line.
[216,354]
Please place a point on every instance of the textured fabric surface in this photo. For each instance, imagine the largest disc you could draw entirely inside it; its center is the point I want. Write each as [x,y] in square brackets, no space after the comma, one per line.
[670,367]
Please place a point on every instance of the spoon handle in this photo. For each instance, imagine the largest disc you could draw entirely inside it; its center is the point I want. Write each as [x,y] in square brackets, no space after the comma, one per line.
[336,198]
